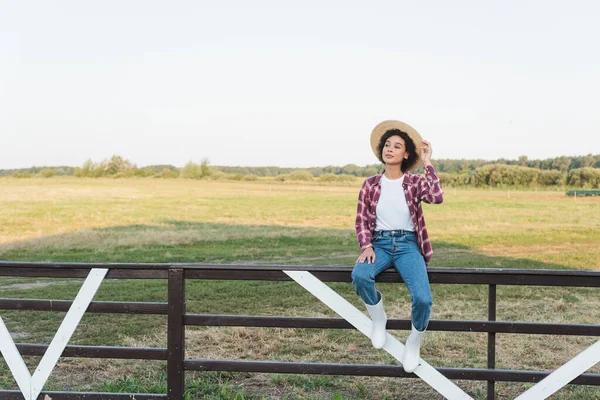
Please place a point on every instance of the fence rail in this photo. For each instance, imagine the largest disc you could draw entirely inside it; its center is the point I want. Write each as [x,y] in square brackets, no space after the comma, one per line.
[178,319]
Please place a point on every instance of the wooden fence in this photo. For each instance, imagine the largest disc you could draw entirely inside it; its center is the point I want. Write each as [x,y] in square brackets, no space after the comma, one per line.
[178,319]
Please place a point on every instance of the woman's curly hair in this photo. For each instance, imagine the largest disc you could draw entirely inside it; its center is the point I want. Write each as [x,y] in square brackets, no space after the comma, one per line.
[410,147]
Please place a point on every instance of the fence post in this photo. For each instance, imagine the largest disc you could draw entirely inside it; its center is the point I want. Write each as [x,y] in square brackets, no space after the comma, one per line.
[491,339]
[176,335]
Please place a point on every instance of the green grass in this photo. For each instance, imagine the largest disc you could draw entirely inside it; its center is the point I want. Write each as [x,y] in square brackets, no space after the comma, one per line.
[156,384]
[133,220]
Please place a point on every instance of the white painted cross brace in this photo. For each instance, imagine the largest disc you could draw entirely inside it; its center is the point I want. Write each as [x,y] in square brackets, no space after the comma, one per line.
[31,386]
[565,374]
[361,322]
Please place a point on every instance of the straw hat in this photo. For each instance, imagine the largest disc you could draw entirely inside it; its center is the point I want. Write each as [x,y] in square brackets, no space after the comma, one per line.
[385,126]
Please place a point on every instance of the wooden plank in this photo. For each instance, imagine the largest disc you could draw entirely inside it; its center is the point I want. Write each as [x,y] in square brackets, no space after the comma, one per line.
[138,274]
[297,368]
[176,335]
[16,395]
[156,267]
[83,265]
[474,275]
[44,272]
[127,353]
[155,308]
[491,356]
[474,374]
[50,272]
[393,324]
[239,275]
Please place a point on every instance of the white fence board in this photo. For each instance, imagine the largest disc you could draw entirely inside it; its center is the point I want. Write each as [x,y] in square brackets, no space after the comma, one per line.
[361,322]
[14,360]
[31,386]
[563,375]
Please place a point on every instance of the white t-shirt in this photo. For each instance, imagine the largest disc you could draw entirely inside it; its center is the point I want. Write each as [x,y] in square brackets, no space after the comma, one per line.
[392,210]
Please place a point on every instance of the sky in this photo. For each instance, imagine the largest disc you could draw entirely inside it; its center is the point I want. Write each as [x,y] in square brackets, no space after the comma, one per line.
[294,83]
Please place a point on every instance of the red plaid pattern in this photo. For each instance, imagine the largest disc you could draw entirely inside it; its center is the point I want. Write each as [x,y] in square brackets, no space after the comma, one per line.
[417,188]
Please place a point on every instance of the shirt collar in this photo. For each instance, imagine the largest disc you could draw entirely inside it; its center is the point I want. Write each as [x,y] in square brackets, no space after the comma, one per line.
[377,179]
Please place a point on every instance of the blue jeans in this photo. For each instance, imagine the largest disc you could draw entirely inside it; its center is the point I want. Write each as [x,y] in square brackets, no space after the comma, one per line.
[399,249]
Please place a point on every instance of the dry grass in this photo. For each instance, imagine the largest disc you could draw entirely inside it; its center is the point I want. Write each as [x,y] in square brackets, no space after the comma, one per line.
[108,216]
[72,213]
[440,348]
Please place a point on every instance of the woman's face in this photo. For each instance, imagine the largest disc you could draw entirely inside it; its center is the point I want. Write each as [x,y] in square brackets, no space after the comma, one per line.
[394,151]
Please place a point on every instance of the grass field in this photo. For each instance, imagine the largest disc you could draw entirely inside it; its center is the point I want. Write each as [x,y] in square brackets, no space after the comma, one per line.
[143,220]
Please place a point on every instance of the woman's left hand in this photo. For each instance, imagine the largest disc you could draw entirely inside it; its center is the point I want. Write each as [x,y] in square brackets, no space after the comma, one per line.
[426,153]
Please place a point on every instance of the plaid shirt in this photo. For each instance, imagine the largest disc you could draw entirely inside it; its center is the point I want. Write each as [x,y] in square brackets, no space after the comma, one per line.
[417,188]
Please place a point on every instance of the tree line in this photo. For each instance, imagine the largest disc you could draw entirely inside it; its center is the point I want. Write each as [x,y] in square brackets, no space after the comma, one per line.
[579,171]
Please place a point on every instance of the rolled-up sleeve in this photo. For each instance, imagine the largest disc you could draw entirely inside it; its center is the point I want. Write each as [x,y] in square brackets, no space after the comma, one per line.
[430,188]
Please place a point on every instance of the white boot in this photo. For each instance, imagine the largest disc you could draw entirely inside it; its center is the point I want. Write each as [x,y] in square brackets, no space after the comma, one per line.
[412,349]
[378,333]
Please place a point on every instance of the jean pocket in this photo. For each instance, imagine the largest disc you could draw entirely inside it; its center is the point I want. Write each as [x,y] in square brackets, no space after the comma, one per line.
[411,238]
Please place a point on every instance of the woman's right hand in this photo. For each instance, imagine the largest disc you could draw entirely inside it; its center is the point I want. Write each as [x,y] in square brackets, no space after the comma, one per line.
[367,254]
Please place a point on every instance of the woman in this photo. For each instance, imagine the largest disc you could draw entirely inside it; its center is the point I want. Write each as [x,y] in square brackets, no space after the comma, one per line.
[391,230]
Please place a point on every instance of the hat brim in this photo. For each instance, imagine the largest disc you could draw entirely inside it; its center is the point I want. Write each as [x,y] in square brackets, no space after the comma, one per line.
[385,126]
